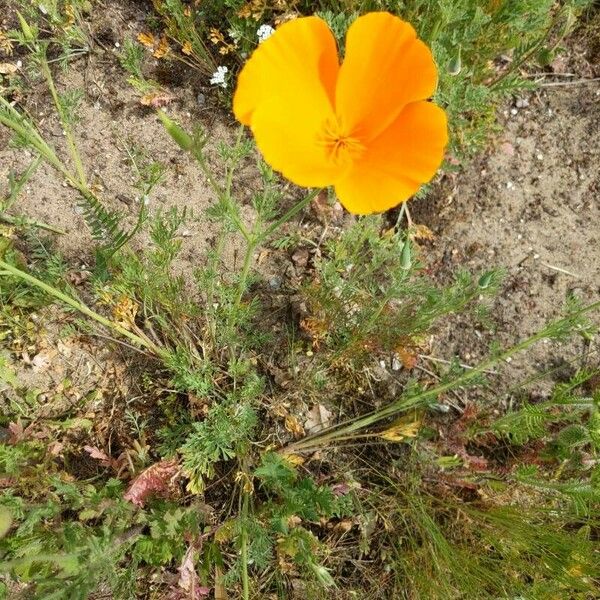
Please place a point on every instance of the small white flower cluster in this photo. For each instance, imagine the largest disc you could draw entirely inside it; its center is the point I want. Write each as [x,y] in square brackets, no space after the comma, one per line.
[218,77]
[264,32]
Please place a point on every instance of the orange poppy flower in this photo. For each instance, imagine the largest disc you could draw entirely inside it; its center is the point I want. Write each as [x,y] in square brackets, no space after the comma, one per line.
[364,126]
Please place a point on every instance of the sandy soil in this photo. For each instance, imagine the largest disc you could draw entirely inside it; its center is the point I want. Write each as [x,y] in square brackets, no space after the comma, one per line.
[110,118]
[530,207]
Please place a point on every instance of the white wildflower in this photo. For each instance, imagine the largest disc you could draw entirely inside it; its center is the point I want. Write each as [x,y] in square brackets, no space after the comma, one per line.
[264,32]
[218,77]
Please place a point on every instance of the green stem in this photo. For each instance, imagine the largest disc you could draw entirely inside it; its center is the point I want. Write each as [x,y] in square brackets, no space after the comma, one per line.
[244,547]
[82,308]
[16,185]
[349,426]
[521,61]
[287,216]
[25,222]
[254,242]
[65,124]
[245,272]
[224,194]
[33,138]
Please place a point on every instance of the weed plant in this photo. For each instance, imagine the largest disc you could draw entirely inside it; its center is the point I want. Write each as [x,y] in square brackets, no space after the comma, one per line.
[218,489]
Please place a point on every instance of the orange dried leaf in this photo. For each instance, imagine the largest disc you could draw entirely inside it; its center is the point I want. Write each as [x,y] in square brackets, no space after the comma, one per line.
[294,459]
[215,36]
[403,429]
[156,99]
[421,232]
[162,49]
[69,15]
[316,329]
[125,311]
[407,357]
[187,48]
[293,426]
[146,39]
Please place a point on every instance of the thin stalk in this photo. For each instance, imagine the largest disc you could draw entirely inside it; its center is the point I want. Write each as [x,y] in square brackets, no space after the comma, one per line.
[74,153]
[342,430]
[16,185]
[244,547]
[223,194]
[214,262]
[287,216]
[245,272]
[231,170]
[254,242]
[82,308]
[33,138]
[25,222]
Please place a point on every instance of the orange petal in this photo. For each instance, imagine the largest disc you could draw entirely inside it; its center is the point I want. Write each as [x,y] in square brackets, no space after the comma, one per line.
[285,94]
[385,68]
[301,52]
[394,166]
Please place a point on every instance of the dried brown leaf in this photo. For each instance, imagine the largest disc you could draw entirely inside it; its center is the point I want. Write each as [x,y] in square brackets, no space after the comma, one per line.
[318,418]
[189,581]
[421,232]
[98,454]
[8,69]
[407,357]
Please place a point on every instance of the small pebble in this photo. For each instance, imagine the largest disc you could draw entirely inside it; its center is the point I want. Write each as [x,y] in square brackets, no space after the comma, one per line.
[201,99]
[514,111]
[275,283]
[510,185]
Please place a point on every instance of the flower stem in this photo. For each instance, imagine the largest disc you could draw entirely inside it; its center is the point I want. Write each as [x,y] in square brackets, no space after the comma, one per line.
[72,146]
[244,547]
[287,216]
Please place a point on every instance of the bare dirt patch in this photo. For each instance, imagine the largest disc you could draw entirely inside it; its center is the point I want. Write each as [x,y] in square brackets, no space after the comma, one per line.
[110,118]
[530,207]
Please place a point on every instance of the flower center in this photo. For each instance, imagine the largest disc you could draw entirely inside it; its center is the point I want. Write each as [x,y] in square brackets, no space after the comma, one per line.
[341,148]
